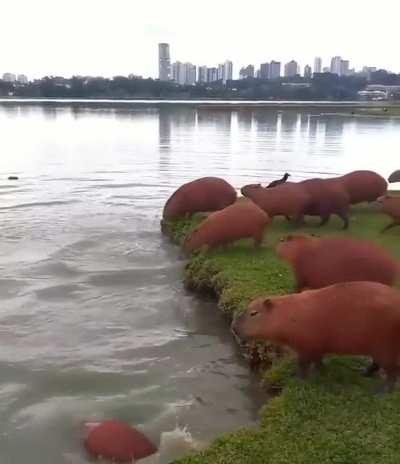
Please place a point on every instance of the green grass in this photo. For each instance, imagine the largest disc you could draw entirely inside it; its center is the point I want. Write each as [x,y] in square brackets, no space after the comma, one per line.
[331,418]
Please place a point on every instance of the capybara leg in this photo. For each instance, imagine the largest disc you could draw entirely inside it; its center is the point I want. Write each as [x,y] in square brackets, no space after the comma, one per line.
[324,220]
[371,369]
[258,239]
[389,226]
[287,218]
[345,220]
[299,220]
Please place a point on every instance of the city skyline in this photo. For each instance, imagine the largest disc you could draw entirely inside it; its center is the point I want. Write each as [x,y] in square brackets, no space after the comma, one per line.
[104,41]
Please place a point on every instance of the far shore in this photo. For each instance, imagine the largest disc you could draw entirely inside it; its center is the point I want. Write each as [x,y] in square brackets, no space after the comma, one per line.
[364,107]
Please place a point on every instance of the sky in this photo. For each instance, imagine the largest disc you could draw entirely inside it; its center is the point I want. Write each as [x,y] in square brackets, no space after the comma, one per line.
[120,37]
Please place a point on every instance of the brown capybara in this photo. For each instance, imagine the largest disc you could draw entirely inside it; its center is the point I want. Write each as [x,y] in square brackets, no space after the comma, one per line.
[205,194]
[321,261]
[327,198]
[363,186]
[391,206]
[241,220]
[287,199]
[394,177]
[116,441]
[275,183]
[349,318]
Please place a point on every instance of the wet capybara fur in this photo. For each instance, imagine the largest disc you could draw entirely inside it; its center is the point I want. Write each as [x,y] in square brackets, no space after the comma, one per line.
[287,199]
[327,198]
[391,206]
[350,318]
[240,220]
[318,262]
[205,194]
[363,186]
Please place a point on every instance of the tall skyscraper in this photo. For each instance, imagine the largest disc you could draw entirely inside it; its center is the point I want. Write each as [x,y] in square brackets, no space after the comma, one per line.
[22,79]
[164,62]
[307,71]
[190,74]
[264,71]
[317,64]
[247,72]
[212,74]
[291,68]
[221,71]
[344,68]
[202,74]
[9,77]
[228,71]
[336,64]
[179,73]
[275,70]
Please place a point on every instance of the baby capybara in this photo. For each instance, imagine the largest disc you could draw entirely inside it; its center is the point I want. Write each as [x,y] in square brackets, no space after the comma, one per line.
[391,206]
[205,194]
[241,220]
[327,197]
[318,262]
[287,199]
[363,185]
[350,318]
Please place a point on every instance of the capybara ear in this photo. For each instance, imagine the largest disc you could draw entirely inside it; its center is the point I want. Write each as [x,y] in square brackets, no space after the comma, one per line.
[268,305]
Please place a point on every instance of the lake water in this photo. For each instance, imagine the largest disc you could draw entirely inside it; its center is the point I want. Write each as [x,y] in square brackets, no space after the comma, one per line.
[94,322]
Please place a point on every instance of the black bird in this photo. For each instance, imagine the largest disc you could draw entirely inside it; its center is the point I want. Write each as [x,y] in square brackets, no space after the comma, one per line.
[275,183]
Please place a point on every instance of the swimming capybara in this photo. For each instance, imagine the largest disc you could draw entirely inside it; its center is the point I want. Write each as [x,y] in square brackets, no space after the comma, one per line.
[321,261]
[394,177]
[327,197]
[205,194]
[363,186]
[118,442]
[287,199]
[241,220]
[350,318]
[275,183]
[391,206]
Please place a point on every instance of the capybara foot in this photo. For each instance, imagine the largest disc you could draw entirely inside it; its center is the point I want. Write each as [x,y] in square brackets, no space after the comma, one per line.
[371,369]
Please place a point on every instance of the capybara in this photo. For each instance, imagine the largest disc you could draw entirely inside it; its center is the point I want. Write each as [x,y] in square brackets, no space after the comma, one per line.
[205,194]
[349,318]
[241,220]
[118,442]
[363,186]
[327,197]
[394,177]
[287,199]
[391,206]
[275,183]
[321,261]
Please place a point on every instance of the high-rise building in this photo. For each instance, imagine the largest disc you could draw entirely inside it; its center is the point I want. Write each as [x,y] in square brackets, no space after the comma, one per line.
[22,79]
[264,71]
[344,68]
[179,73]
[221,71]
[307,71]
[212,74]
[275,70]
[202,74]
[336,65]
[247,72]
[317,64]
[367,71]
[164,62]
[228,71]
[190,74]
[9,77]
[291,68]
[326,69]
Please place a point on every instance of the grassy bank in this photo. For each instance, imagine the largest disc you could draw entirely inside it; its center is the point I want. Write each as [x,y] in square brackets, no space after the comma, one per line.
[330,418]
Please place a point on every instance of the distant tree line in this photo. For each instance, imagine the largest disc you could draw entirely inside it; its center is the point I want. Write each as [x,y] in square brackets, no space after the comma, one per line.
[324,86]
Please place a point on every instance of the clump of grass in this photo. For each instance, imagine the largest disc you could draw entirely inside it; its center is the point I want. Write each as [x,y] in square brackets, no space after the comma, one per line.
[330,418]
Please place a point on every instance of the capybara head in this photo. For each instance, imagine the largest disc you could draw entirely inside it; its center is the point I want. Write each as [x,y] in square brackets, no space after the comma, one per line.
[288,246]
[247,189]
[257,320]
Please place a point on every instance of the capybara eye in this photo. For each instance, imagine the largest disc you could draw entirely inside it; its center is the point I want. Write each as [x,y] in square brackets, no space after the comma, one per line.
[253,313]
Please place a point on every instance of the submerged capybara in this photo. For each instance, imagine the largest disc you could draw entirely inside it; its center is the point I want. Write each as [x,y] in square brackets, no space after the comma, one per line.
[363,185]
[394,177]
[241,220]
[350,318]
[118,442]
[321,261]
[327,198]
[287,199]
[205,194]
[391,206]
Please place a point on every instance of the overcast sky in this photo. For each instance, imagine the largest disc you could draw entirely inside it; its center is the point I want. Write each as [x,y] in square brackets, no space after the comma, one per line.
[110,37]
